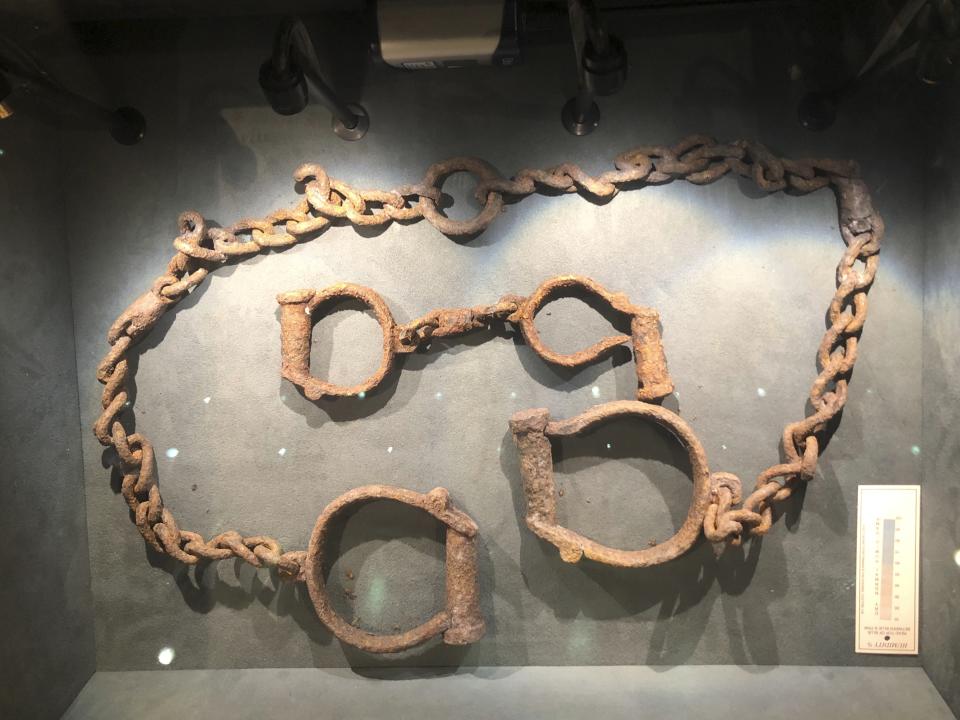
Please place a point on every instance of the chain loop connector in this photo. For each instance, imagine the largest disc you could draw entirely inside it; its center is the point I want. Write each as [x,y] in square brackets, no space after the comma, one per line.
[492,203]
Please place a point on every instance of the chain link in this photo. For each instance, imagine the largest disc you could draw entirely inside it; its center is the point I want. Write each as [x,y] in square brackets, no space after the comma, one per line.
[452,321]
[697,159]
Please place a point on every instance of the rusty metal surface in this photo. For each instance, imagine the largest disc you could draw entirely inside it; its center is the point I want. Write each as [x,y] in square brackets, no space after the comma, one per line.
[298,312]
[697,159]
[460,622]
[532,431]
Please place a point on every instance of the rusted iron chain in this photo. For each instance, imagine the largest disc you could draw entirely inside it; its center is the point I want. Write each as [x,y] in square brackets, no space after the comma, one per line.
[298,311]
[697,159]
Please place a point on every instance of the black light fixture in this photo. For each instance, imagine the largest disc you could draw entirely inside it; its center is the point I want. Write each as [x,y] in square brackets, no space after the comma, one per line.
[601,67]
[22,75]
[923,35]
[283,79]
[126,125]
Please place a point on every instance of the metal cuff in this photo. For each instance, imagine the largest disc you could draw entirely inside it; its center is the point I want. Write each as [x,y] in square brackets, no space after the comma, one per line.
[460,622]
[532,432]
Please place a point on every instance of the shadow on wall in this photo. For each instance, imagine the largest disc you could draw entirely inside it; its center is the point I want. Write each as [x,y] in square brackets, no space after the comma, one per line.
[680,588]
[678,592]
[342,36]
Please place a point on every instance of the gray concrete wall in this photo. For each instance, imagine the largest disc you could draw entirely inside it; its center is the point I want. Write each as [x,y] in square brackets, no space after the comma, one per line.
[46,609]
[742,282]
[941,412]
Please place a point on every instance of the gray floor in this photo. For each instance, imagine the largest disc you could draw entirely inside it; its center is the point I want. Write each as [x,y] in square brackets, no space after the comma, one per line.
[612,692]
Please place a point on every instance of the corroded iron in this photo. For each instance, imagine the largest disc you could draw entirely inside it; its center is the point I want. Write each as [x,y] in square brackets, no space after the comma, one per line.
[697,159]
[532,432]
[298,312]
[460,622]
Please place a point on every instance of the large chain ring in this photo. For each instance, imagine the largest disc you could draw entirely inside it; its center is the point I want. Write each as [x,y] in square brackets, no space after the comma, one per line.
[434,178]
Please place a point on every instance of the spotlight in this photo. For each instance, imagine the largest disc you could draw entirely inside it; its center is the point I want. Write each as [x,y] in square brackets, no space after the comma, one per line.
[605,66]
[283,79]
[285,90]
[602,67]
[125,124]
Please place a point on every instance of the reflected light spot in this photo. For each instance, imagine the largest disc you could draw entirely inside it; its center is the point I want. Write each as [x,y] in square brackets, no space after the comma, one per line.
[595,391]
[206,400]
[609,445]
[915,450]
[373,599]
[761,392]
[956,557]
[166,656]
[723,447]
[362,394]
[390,449]
[172,453]
[281,452]
[579,639]
[513,396]
[283,398]
[439,396]
[306,310]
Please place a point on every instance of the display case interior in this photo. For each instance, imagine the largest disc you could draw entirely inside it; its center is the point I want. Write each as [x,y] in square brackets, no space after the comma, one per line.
[398,458]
